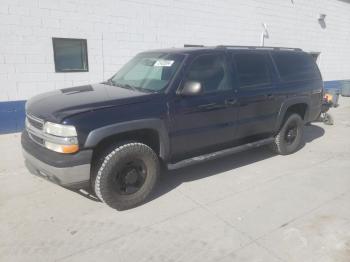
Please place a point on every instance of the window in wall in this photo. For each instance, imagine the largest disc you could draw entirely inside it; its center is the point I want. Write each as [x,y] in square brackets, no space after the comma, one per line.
[252,70]
[210,71]
[296,66]
[70,55]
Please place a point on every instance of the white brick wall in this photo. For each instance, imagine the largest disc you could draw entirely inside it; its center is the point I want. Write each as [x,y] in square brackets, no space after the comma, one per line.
[118,29]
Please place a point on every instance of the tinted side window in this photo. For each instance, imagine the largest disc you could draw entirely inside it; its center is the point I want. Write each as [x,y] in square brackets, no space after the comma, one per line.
[210,71]
[296,66]
[252,70]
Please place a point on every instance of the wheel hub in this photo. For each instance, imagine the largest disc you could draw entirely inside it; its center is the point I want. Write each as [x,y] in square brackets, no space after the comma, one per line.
[291,134]
[130,177]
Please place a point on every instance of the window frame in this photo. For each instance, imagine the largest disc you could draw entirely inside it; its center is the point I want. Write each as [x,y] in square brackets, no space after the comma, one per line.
[85,55]
[268,67]
[228,73]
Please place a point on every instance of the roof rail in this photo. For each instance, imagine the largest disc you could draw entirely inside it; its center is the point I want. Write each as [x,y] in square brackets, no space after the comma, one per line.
[190,45]
[258,47]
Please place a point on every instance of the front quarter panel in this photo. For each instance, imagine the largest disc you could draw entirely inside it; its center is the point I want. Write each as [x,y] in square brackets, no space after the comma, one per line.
[95,125]
[157,125]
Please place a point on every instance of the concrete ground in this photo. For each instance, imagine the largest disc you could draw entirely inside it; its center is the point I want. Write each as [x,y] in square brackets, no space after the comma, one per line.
[252,206]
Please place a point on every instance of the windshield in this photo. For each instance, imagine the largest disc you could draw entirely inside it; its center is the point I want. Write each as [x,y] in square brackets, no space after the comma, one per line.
[148,72]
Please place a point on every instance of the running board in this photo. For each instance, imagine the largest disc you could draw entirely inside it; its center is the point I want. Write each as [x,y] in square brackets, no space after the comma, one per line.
[221,153]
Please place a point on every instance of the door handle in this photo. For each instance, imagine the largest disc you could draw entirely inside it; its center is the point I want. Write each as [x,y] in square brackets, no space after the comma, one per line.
[231,102]
[270,96]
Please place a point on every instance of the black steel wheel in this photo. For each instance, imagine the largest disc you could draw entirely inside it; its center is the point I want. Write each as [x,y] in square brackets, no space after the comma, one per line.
[291,133]
[289,138]
[130,176]
[127,175]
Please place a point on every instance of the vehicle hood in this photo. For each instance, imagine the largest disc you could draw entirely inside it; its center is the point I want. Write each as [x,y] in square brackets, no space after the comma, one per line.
[56,105]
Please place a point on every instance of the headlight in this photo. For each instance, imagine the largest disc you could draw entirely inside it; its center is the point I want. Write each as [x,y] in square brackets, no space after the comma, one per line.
[60,138]
[59,130]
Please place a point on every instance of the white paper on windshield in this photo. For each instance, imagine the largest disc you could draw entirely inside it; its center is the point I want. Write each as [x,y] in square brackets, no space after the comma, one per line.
[164,63]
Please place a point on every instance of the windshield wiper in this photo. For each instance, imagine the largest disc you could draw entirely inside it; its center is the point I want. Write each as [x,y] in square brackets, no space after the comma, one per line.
[126,86]
[144,89]
[135,88]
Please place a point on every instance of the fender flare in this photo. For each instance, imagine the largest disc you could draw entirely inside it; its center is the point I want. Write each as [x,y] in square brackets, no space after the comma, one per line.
[157,125]
[288,103]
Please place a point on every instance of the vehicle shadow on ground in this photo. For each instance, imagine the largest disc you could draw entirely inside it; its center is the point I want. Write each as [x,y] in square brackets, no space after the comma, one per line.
[171,179]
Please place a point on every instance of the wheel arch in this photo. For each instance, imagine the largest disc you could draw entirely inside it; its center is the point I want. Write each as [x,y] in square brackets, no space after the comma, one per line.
[299,106]
[151,132]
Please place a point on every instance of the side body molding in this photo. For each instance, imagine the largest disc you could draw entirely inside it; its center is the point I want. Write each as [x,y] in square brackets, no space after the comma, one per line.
[157,125]
[289,102]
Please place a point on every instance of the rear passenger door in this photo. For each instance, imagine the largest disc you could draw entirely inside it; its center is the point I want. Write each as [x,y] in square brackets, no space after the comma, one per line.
[258,105]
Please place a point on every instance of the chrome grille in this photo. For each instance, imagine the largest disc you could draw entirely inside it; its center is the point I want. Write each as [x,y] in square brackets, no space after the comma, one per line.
[36,139]
[34,127]
[35,122]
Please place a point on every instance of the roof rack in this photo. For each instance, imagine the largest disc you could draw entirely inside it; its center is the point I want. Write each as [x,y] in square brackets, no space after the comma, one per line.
[190,45]
[258,47]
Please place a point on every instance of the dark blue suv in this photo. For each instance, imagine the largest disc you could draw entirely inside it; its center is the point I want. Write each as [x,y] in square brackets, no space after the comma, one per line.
[166,106]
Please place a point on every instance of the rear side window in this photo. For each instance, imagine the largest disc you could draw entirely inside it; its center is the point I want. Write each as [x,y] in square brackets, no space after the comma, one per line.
[252,70]
[296,66]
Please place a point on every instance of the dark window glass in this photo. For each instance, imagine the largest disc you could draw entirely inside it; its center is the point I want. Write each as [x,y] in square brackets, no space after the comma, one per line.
[252,70]
[210,71]
[70,55]
[296,66]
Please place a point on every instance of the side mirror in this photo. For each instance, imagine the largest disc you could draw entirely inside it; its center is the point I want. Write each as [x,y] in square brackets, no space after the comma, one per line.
[191,88]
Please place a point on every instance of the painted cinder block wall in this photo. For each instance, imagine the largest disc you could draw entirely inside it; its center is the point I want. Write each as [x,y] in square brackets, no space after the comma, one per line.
[118,29]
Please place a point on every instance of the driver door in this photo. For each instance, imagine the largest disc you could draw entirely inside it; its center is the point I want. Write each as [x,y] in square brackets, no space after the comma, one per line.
[206,121]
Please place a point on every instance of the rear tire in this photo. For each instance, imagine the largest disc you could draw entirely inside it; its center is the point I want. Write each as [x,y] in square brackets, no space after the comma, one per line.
[289,138]
[127,175]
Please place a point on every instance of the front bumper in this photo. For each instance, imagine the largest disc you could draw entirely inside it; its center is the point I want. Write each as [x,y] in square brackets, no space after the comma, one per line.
[68,170]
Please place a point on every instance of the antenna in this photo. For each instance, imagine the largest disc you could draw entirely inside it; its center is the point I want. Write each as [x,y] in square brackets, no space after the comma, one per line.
[264,34]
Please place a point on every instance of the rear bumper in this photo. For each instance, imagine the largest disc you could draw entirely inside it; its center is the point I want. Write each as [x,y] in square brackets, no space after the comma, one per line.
[68,170]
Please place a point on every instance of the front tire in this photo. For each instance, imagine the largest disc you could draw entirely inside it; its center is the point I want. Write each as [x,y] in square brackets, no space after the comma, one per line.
[289,138]
[127,175]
